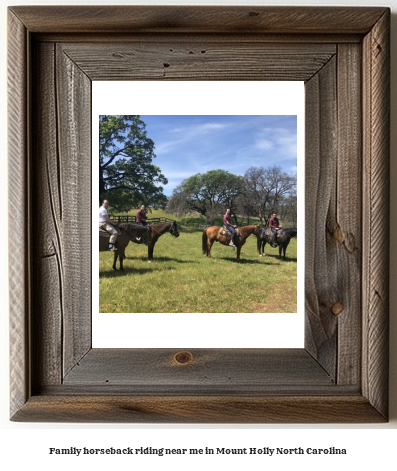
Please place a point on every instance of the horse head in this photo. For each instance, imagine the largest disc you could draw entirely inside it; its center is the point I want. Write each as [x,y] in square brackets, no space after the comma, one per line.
[174,229]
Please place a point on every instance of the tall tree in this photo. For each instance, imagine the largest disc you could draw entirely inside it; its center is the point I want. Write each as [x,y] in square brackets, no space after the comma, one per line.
[208,194]
[127,177]
[266,190]
[288,208]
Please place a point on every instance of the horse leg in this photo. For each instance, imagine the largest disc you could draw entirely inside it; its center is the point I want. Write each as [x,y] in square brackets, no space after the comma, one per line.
[284,246]
[209,245]
[116,254]
[121,258]
[121,254]
[238,253]
[258,246]
[150,250]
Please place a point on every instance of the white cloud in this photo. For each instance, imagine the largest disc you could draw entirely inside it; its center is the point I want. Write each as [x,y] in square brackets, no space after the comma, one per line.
[207,127]
[281,140]
[188,135]
[264,144]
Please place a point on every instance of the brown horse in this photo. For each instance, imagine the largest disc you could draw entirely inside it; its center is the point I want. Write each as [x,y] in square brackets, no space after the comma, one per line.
[213,234]
[127,232]
[156,231]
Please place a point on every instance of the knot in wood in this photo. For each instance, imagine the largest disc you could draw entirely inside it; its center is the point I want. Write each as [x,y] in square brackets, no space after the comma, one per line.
[183,358]
[337,308]
[338,235]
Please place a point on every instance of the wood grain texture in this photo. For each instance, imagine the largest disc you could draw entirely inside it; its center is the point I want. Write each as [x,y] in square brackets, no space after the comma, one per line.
[227,369]
[334,215]
[213,59]
[190,19]
[320,175]
[376,90]
[62,257]
[346,225]
[18,210]
[198,409]
[47,259]
[73,118]
[341,375]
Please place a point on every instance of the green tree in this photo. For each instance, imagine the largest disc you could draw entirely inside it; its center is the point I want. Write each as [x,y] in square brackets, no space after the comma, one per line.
[208,194]
[267,189]
[127,177]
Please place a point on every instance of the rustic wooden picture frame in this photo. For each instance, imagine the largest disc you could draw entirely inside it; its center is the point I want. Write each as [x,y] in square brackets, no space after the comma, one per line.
[342,54]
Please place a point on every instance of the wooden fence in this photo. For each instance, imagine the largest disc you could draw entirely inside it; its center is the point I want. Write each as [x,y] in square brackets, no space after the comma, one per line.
[132,219]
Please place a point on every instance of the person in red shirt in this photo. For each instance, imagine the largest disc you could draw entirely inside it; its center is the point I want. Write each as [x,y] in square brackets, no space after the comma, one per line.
[227,221]
[141,216]
[274,224]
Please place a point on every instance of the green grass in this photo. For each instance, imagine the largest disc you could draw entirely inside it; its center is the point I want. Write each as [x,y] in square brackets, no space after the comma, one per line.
[180,279]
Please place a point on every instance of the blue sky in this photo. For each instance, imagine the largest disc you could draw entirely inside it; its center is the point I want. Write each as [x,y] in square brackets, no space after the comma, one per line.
[186,145]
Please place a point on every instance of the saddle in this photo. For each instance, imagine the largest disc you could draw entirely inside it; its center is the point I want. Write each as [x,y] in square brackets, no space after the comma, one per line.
[224,231]
[268,232]
[103,233]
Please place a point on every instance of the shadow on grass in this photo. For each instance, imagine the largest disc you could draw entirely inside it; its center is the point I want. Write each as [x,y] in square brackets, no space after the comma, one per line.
[287,259]
[161,259]
[243,261]
[110,273]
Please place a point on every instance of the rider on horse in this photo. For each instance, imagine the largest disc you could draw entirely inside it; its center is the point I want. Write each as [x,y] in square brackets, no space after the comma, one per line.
[105,223]
[227,221]
[141,216]
[274,224]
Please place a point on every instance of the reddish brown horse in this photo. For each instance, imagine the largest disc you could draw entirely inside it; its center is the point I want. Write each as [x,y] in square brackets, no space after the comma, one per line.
[127,232]
[213,234]
[157,230]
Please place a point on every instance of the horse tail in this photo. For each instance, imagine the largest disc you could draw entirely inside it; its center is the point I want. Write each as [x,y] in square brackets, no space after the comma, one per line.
[205,242]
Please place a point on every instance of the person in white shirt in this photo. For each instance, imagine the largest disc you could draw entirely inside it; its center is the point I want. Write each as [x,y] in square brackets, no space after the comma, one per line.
[104,223]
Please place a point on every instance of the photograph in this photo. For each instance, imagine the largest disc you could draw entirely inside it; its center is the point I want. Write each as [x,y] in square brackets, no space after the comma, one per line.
[203,180]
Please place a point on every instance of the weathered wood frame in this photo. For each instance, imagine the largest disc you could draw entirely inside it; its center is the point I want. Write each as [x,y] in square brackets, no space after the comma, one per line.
[342,54]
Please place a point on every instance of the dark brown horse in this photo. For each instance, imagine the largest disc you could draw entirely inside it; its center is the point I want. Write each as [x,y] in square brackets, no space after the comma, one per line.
[283,239]
[127,232]
[156,231]
[214,234]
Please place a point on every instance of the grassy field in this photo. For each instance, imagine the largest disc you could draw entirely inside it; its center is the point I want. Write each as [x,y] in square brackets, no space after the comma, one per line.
[181,279]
